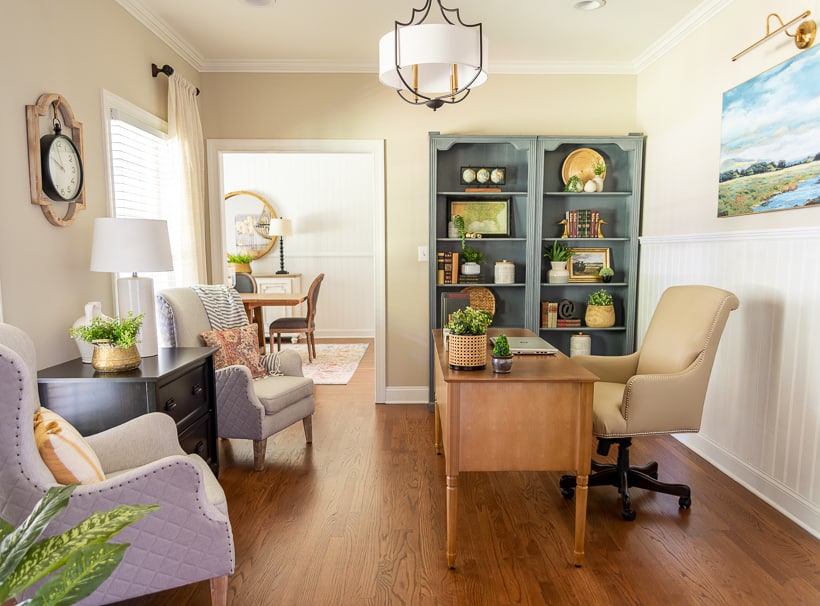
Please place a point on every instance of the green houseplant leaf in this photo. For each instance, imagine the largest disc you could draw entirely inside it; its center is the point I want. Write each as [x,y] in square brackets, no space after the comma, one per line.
[119,331]
[601,297]
[469,321]
[501,347]
[558,252]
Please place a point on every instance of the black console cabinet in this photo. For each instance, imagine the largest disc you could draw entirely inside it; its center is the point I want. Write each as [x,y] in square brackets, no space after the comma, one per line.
[178,381]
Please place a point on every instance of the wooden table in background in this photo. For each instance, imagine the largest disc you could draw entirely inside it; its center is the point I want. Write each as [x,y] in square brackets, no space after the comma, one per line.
[255,301]
[536,418]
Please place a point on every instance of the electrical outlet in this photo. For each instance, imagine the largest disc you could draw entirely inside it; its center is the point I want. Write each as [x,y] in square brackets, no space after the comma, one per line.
[423,258]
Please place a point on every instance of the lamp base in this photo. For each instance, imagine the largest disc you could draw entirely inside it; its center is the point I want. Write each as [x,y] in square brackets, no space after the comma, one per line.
[136,295]
[282,272]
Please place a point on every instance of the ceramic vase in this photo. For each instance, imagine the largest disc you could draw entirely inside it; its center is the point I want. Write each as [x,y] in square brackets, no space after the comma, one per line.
[558,274]
[93,309]
[470,269]
[599,182]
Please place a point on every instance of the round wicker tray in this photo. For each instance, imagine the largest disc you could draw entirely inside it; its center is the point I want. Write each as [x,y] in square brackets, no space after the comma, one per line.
[481,298]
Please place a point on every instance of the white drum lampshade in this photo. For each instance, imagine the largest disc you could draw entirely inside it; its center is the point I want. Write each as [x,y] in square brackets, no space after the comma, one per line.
[131,246]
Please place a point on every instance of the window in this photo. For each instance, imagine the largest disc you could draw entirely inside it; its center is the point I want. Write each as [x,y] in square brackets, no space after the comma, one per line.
[142,180]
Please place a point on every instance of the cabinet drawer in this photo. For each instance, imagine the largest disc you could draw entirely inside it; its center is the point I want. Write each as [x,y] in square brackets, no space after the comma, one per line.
[196,439]
[185,396]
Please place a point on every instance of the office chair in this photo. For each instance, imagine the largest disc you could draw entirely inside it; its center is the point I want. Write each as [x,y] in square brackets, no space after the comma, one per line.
[660,388]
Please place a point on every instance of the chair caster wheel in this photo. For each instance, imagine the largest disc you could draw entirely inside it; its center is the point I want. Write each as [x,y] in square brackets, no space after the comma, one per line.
[685,502]
[567,493]
[628,515]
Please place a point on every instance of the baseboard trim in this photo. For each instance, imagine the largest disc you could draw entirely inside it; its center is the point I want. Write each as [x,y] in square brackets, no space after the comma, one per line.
[407,395]
[781,497]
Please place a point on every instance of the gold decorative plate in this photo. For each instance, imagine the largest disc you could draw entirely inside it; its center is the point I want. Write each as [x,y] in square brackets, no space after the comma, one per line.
[580,162]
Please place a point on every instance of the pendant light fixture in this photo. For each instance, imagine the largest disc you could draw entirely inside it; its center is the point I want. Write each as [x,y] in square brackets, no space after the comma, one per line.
[433,63]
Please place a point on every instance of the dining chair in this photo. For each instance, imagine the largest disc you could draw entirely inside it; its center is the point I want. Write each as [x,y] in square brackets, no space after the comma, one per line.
[304,324]
[245,282]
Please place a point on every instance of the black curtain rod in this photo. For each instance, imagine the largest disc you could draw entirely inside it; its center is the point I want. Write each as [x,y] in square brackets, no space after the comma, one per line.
[165,69]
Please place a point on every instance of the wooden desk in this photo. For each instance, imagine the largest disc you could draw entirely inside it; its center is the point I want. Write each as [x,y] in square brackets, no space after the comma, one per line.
[255,301]
[537,418]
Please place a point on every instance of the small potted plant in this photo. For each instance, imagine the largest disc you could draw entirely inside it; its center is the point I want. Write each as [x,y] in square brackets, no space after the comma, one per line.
[606,274]
[558,255]
[241,262]
[574,184]
[502,358]
[599,170]
[115,342]
[467,339]
[470,257]
[600,309]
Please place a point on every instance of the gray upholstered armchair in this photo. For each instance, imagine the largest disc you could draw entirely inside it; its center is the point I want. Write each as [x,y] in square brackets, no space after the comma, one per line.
[187,540]
[252,409]
[659,389]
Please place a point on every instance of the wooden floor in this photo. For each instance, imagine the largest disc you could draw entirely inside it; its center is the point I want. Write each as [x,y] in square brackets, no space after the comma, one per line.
[358,519]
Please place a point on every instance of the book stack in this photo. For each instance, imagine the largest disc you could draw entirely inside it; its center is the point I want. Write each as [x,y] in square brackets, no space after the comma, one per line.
[582,223]
[568,322]
[447,267]
[469,279]
[549,314]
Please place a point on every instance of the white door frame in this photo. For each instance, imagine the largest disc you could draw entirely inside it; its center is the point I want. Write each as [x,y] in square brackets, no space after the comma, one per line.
[373,148]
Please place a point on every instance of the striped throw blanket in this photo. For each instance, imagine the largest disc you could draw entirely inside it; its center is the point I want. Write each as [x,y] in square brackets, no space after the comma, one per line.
[223,306]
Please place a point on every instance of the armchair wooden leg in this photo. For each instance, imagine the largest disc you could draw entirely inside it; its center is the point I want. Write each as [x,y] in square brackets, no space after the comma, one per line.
[219,591]
[307,423]
[259,447]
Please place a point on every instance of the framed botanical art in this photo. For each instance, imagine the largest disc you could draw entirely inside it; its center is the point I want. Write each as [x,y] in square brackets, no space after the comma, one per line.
[586,263]
[485,216]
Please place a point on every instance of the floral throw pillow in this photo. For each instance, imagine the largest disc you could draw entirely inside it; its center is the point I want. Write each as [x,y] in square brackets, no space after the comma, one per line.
[236,346]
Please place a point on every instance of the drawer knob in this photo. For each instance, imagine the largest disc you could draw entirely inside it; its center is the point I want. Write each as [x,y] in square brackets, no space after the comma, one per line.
[200,448]
[170,404]
[197,389]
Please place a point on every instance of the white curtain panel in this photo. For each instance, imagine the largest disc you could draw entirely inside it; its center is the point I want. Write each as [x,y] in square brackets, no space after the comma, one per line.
[185,129]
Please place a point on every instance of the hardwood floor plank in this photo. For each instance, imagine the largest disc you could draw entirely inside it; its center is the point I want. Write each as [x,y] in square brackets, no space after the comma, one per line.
[358,519]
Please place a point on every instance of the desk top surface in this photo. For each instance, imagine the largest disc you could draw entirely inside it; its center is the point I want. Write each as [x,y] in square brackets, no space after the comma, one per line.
[273,298]
[530,368]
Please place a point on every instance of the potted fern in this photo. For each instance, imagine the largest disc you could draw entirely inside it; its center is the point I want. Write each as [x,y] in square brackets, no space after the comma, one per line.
[240,262]
[501,358]
[600,309]
[115,342]
[467,339]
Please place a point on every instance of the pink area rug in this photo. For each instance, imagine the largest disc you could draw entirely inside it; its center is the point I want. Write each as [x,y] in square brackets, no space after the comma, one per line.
[334,364]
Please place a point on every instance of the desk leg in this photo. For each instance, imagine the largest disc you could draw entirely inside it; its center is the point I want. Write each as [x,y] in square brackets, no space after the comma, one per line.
[581,491]
[437,421]
[452,511]
[260,327]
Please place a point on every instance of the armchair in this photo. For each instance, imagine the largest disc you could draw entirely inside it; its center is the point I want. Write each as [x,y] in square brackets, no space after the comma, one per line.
[189,539]
[247,408]
[660,388]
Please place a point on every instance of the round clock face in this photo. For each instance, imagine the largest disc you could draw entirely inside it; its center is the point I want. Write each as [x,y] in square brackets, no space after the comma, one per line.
[62,167]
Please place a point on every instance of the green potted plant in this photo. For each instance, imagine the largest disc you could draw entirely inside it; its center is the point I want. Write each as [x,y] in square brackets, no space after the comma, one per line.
[471,258]
[241,262]
[467,339]
[115,342]
[501,358]
[600,311]
[559,255]
[574,184]
[599,170]
[606,274]
[78,560]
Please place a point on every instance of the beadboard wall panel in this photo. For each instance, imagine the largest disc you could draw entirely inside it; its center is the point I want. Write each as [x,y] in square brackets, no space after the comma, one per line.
[761,422]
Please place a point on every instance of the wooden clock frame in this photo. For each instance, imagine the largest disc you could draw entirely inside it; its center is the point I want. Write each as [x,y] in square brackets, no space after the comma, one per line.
[74,131]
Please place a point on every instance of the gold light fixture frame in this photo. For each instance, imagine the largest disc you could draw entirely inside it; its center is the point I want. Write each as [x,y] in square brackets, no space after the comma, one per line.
[803,36]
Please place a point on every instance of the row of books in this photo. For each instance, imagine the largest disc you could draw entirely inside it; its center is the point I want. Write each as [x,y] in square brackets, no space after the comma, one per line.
[550,319]
[584,223]
[446,267]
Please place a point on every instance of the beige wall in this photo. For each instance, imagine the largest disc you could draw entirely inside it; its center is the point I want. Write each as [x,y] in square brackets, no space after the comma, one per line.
[279,106]
[75,49]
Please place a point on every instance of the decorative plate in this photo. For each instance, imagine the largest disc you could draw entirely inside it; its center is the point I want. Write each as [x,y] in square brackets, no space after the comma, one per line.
[580,162]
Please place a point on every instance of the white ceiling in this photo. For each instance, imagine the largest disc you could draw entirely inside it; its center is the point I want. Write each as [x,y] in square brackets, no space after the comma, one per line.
[524,36]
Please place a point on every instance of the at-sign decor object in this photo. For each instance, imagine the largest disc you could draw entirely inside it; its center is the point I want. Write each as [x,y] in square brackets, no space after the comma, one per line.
[55,158]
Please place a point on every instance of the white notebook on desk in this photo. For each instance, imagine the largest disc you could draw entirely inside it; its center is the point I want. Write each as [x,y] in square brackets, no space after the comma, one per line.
[529,345]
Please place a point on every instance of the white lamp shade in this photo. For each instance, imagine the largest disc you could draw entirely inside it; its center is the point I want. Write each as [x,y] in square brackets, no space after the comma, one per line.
[280,227]
[435,48]
[130,245]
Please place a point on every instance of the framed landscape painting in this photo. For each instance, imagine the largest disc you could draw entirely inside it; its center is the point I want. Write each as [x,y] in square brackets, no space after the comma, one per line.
[770,140]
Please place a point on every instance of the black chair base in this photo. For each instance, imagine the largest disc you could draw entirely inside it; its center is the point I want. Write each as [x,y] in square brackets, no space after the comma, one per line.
[623,477]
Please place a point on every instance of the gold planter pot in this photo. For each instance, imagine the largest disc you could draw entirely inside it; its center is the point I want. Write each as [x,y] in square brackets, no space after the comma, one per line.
[600,316]
[108,357]
[467,352]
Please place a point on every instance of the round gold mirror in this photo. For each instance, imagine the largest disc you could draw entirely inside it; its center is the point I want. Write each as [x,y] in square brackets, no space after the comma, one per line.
[247,220]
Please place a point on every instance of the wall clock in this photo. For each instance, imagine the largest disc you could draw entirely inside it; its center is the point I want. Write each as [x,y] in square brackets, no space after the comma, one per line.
[55,158]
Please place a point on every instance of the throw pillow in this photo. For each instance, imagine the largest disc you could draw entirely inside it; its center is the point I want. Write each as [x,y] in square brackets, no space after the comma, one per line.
[236,346]
[64,451]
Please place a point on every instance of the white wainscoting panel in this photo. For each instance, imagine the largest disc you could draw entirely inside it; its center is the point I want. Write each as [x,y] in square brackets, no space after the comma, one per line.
[761,422]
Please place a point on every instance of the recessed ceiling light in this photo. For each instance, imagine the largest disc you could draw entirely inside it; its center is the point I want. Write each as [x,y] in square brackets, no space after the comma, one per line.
[589,5]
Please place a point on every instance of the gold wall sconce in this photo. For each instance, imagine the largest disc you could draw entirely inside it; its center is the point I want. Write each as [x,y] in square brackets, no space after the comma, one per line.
[803,35]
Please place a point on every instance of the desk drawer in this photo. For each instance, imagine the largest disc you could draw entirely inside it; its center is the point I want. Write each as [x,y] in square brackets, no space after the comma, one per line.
[196,439]
[185,396]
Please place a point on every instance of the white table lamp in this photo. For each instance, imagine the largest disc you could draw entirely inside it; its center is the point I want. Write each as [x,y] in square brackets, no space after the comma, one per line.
[132,245]
[281,228]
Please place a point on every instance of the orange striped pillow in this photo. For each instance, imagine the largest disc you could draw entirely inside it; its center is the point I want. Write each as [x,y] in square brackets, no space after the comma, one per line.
[64,451]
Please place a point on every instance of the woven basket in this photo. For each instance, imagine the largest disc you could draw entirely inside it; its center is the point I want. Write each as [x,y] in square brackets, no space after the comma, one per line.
[481,298]
[600,316]
[467,352]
